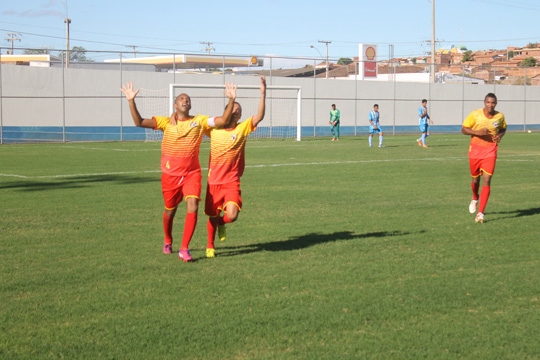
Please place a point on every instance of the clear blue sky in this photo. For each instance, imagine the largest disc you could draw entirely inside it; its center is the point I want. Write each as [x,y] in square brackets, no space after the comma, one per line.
[270,27]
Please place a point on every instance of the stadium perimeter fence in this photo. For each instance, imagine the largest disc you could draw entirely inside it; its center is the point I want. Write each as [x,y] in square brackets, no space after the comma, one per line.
[51,102]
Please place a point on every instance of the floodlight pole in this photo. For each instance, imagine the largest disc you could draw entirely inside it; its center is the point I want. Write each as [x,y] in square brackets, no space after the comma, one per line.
[67,21]
[432,41]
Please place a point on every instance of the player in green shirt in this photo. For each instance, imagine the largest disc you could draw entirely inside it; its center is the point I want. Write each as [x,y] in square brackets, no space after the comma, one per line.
[334,122]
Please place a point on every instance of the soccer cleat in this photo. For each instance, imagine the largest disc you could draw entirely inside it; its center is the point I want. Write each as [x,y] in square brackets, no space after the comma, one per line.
[370,145]
[333,139]
[381,145]
[337,139]
[210,253]
[419,142]
[222,232]
[479,218]
[185,255]
[167,248]
[472,206]
[425,146]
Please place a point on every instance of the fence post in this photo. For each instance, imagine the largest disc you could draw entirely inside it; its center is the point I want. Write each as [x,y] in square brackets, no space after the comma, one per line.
[121,116]
[1,107]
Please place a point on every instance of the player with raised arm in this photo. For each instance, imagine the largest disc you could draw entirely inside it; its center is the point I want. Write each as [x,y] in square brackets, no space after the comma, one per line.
[486,127]
[227,162]
[181,171]
[374,126]
[424,121]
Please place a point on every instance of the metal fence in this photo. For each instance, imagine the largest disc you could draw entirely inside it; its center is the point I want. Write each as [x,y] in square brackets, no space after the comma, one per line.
[51,101]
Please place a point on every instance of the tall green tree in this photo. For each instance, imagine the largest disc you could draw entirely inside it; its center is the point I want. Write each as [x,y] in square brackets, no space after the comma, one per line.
[77,53]
[344,61]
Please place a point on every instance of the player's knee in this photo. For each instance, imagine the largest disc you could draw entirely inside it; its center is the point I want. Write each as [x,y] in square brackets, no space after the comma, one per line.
[192,205]
[232,213]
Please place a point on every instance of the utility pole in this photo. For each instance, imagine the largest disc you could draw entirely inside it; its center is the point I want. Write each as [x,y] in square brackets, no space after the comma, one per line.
[67,21]
[12,38]
[326,42]
[134,47]
[432,41]
[208,48]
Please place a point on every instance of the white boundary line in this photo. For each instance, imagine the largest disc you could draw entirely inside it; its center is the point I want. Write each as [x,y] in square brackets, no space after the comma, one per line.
[501,157]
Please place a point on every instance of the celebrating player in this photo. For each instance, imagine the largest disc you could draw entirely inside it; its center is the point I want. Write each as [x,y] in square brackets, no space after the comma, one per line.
[334,122]
[181,171]
[424,120]
[486,127]
[227,162]
[374,127]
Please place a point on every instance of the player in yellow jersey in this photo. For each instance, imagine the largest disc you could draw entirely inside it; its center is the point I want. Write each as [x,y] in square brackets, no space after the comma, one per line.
[181,171]
[227,162]
[486,127]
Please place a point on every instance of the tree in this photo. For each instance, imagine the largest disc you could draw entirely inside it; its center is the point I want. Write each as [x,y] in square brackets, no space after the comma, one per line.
[414,60]
[344,61]
[43,50]
[533,45]
[528,62]
[77,53]
[467,56]
[510,54]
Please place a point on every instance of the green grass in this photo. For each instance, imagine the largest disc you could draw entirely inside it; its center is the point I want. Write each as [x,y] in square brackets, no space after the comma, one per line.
[341,252]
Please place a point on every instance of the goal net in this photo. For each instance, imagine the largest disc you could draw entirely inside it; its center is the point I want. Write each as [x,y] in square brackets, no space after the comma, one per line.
[153,103]
[283,106]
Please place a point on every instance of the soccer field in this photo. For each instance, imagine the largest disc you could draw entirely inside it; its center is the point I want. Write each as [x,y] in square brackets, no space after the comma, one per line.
[341,251]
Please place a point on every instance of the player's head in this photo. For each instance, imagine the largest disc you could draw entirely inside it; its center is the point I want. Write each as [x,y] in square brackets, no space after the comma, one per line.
[376,107]
[236,113]
[333,106]
[182,103]
[424,102]
[490,101]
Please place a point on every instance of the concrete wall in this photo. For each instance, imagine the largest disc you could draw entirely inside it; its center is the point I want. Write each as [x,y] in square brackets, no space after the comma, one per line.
[34,96]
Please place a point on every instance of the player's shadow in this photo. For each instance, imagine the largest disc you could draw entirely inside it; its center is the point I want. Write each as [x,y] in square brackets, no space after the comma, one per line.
[74,182]
[305,241]
[516,213]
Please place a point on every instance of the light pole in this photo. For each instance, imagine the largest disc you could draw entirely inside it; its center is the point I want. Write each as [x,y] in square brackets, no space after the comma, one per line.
[326,42]
[433,41]
[322,57]
[67,21]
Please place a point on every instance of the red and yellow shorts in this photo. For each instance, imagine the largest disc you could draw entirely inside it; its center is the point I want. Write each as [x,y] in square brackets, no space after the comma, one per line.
[486,165]
[176,187]
[219,196]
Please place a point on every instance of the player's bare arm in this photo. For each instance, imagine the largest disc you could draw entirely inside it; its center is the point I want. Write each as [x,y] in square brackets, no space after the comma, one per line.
[230,92]
[130,94]
[497,138]
[262,104]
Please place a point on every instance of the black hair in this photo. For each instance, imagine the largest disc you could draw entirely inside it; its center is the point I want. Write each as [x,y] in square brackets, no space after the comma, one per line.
[491,95]
[424,100]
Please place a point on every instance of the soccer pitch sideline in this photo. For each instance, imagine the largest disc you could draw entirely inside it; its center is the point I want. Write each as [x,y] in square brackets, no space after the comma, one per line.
[341,251]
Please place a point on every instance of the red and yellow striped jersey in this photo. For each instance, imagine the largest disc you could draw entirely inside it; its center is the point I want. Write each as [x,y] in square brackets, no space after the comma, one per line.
[180,145]
[484,146]
[227,153]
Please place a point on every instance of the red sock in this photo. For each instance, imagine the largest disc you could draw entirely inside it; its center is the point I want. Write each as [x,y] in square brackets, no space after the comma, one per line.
[211,226]
[189,228]
[484,196]
[224,220]
[475,188]
[167,228]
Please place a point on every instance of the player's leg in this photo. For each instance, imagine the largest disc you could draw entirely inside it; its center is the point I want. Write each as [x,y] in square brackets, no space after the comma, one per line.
[420,140]
[232,196]
[488,168]
[474,165]
[333,132]
[212,208]
[381,138]
[172,196]
[370,140]
[337,131]
[192,191]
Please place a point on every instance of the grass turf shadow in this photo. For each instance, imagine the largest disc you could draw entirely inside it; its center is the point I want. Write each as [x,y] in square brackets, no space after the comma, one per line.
[305,241]
[74,182]
[516,213]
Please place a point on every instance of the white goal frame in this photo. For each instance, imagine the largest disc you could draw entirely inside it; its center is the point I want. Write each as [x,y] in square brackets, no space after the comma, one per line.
[172,87]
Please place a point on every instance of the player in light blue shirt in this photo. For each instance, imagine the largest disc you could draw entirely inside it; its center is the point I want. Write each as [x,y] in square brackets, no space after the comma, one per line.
[424,120]
[374,127]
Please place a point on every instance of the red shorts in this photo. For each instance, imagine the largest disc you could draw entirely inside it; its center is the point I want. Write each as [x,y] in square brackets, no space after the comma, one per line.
[486,165]
[219,196]
[176,187]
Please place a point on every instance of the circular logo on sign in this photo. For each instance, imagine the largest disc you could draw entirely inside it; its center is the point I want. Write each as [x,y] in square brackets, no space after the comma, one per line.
[370,53]
[253,60]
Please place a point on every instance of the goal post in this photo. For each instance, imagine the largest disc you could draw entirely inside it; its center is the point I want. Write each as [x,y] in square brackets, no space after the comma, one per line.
[283,115]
